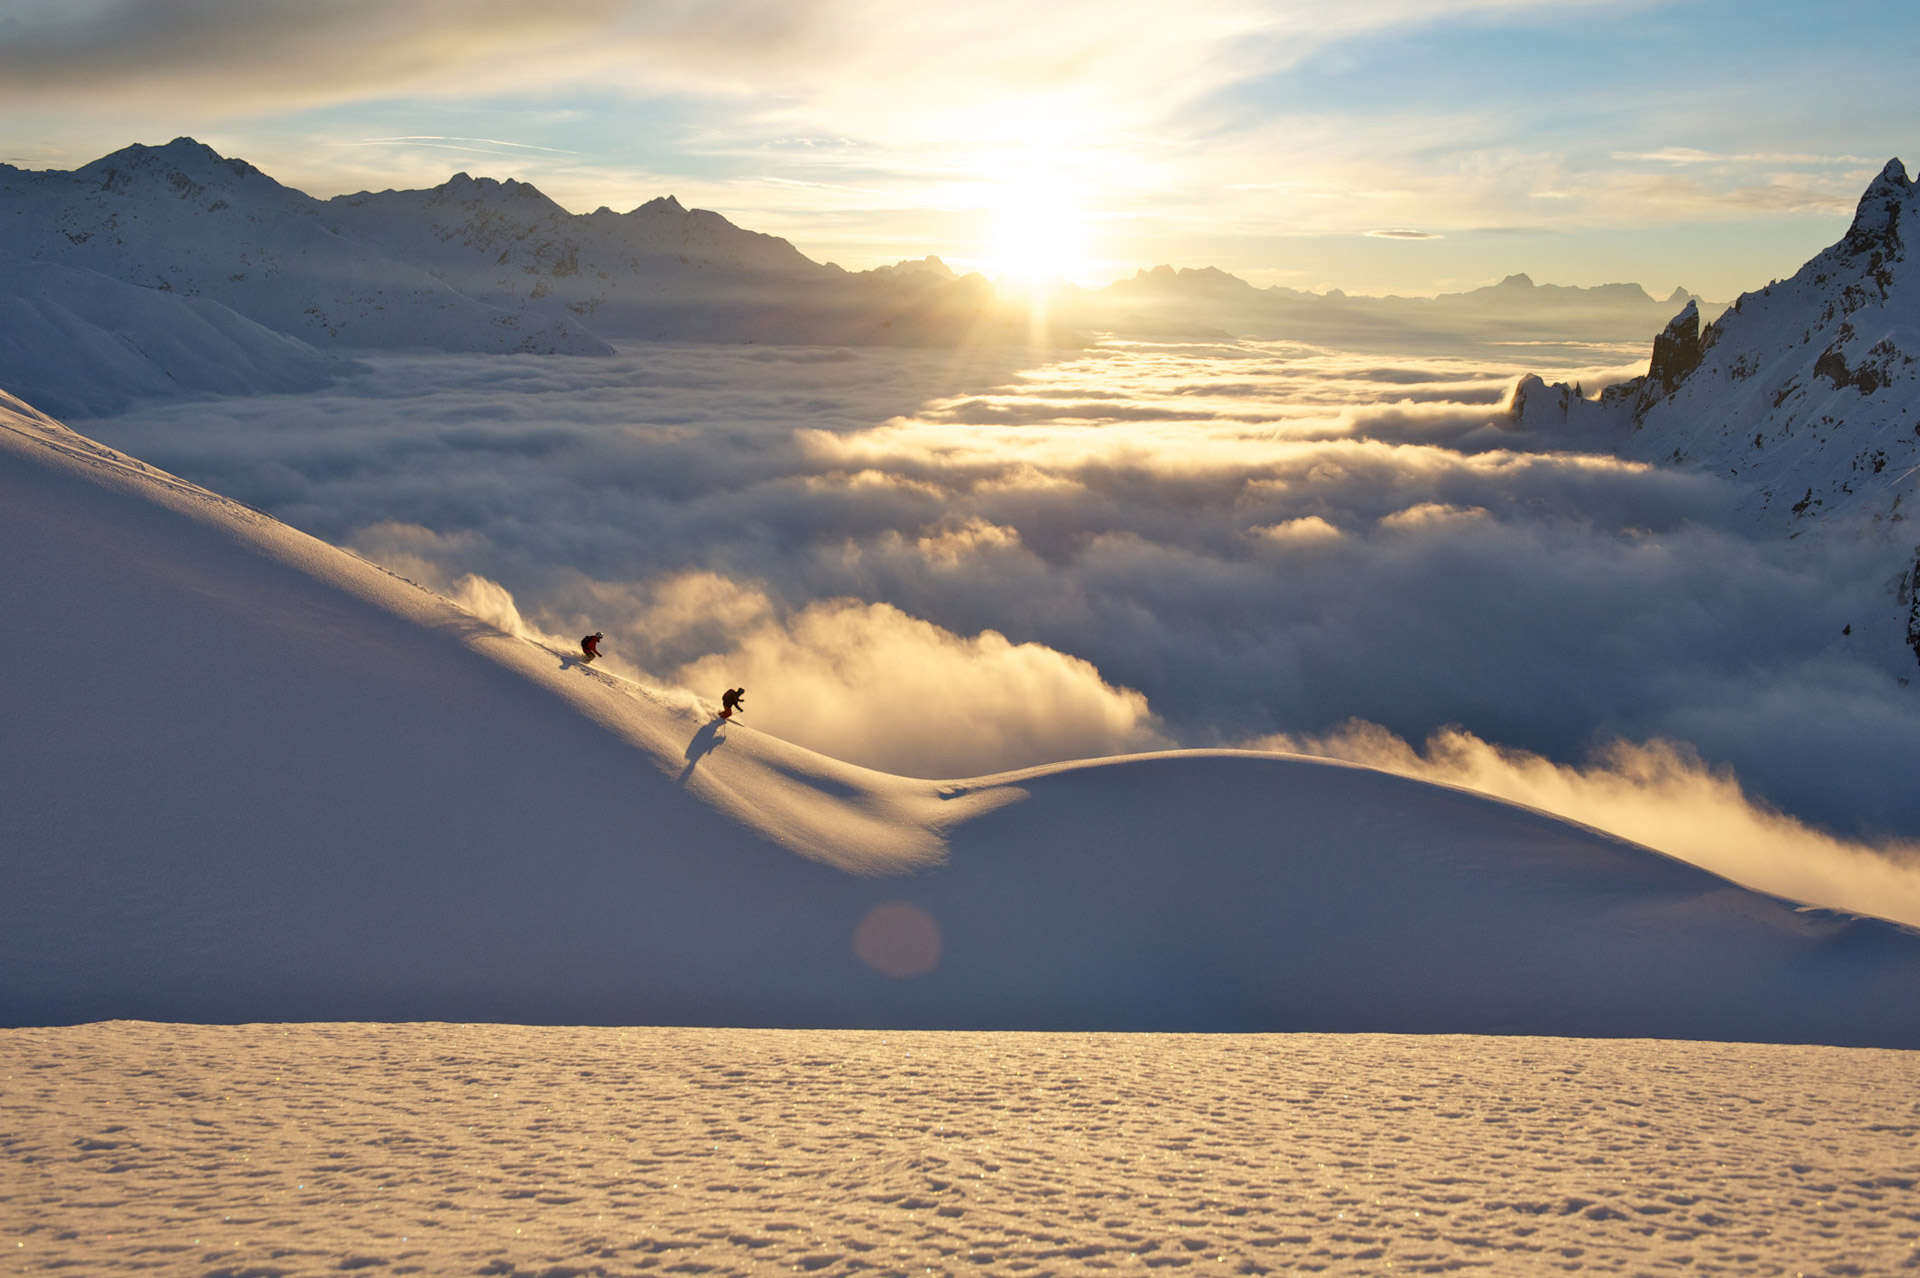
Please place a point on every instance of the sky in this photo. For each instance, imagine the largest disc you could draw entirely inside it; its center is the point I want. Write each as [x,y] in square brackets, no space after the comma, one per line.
[1404,146]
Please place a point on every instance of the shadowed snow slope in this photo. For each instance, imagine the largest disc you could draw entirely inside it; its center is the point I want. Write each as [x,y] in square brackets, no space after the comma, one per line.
[251,777]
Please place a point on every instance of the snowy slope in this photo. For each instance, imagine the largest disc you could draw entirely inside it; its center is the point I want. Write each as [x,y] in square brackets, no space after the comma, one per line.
[83,344]
[249,776]
[308,1151]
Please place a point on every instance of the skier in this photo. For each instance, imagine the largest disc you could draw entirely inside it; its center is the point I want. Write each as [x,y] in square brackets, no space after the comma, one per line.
[731,702]
[591,647]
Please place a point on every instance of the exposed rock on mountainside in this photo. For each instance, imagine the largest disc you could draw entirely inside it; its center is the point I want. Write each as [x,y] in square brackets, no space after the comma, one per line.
[1806,393]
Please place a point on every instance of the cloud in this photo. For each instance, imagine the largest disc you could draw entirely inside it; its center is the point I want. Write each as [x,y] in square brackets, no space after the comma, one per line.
[1662,794]
[1286,540]
[837,55]
[870,684]
[1404,235]
[253,54]
[862,682]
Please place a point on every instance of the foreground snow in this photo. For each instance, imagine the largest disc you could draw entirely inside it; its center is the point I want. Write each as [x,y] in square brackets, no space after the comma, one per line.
[251,777]
[460,1149]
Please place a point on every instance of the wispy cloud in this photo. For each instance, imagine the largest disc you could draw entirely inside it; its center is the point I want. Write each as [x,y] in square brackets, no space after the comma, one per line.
[453,143]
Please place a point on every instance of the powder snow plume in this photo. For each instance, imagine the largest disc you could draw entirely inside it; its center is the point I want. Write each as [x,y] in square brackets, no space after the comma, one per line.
[1659,793]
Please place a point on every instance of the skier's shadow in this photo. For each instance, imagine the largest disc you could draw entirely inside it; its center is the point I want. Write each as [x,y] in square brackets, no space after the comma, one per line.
[704,742]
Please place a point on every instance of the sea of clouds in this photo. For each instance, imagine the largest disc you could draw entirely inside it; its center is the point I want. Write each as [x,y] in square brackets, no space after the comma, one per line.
[951,563]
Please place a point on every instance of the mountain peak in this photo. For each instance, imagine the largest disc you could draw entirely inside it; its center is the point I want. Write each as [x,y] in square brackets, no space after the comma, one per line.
[182,166]
[1875,221]
[1893,177]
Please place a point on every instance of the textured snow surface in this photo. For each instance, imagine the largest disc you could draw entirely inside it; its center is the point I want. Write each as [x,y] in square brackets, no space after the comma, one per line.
[481,1149]
[252,777]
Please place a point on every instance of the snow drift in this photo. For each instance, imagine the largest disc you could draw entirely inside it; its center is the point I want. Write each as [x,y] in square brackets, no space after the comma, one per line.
[251,777]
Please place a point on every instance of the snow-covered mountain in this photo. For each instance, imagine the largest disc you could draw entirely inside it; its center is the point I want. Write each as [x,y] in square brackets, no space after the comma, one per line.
[471,265]
[1806,393]
[252,777]
[84,344]
[183,219]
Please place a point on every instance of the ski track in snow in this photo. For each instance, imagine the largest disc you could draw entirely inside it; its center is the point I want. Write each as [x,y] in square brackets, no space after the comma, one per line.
[449,1149]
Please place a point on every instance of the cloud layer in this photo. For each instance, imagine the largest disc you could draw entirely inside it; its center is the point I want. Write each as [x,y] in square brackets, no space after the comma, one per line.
[949,562]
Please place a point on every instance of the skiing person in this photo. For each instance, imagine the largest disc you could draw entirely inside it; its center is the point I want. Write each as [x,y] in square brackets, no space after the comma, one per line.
[731,702]
[591,647]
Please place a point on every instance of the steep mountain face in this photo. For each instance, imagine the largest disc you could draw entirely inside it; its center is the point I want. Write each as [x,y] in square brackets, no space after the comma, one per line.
[1807,392]
[182,219]
[1808,388]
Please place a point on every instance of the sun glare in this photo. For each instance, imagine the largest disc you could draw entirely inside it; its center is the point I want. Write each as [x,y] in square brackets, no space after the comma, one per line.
[1039,235]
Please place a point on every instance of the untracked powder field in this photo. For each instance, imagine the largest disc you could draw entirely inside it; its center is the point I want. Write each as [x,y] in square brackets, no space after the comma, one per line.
[268,1150]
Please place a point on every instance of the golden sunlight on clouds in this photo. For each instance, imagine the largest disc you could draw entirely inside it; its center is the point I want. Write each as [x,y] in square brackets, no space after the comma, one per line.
[1428,513]
[1303,531]
[948,546]
[869,684]
[1663,795]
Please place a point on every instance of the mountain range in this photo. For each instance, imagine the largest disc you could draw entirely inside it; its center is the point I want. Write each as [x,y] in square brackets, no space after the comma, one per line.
[481,265]
[471,265]
[1168,301]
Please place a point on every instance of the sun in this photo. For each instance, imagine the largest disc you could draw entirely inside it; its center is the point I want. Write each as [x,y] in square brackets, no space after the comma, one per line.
[1039,234]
